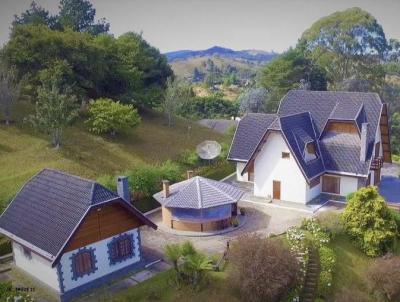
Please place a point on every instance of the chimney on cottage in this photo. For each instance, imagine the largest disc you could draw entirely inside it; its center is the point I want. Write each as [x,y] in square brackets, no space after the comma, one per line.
[189,174]
[165,188]
[123,188]
[364,142]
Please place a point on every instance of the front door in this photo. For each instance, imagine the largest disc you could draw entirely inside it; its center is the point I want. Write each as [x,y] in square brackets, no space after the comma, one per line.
[276,189]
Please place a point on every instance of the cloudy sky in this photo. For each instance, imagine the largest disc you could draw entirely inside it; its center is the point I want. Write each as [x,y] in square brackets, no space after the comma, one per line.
[199,24]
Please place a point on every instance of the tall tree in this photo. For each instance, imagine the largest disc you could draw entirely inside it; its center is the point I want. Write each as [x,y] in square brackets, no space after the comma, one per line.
[289,71]
[9,91]
[176,93]
[36,15]
[253,100]
[55,107]
[79,16]
[346,44]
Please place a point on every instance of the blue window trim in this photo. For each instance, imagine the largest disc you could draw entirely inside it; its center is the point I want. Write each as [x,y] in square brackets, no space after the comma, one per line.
[114,260]
[75,275]
[60,276]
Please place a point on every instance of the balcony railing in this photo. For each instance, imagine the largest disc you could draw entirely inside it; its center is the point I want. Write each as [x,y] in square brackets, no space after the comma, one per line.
[377,163]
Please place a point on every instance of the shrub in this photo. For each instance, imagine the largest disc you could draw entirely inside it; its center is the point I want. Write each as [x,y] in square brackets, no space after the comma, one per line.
[107,116]
[189,158]
[5,247]
[396,217]
[327,260]
[369,222]
[383,278]
[262,269]
[144,180]
[208,107]
[169,170]
[318,236]
[330,221]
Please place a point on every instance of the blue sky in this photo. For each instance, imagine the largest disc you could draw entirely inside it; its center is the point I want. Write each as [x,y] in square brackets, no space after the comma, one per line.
[199,24]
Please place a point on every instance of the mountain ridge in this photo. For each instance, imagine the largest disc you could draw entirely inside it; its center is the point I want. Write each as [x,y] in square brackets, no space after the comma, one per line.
[247,54]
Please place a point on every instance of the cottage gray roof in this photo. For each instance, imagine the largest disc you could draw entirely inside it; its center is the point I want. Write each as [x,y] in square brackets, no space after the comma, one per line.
[199,193]
[49,207]
[321,106]
[248,133]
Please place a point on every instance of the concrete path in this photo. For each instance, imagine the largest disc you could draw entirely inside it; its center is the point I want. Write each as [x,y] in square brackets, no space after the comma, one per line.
[125,283]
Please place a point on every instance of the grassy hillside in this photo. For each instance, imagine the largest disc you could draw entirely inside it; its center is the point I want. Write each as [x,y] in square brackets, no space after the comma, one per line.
[24,152]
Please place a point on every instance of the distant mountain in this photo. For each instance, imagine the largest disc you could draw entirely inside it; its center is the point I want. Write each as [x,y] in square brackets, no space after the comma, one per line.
[218,64]
[248,55]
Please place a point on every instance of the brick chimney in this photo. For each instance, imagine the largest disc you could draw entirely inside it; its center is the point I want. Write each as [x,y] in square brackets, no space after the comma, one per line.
[364,142]
[123,188]
[165,188]
[189,174]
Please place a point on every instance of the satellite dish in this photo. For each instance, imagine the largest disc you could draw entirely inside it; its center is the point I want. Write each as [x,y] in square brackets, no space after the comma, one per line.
[208,150]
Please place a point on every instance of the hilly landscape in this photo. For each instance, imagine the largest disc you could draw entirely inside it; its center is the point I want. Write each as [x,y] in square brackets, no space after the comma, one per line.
[217,64]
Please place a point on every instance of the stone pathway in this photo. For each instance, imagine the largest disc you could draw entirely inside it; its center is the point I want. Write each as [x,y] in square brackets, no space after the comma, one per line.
[312,276]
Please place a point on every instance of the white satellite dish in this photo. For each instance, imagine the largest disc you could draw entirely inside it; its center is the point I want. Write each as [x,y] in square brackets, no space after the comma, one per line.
[208,150]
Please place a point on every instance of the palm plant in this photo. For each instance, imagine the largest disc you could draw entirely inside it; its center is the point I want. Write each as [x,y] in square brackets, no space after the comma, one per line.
[196,265]
[173,252]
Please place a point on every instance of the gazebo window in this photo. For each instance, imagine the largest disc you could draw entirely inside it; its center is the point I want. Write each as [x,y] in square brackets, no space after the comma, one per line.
[83,263]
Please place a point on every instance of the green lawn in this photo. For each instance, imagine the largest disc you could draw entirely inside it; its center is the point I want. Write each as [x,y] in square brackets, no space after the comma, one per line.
[24,152]
[351,264]
[160,288]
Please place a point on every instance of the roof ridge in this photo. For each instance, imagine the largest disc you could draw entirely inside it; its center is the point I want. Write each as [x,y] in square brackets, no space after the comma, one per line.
[67,174]
[197,179]
[208,183]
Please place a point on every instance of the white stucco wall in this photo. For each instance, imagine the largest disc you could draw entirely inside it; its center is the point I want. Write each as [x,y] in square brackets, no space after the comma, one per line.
[102,264]
[36,266]
[348,185]
[269,166]
[313,192]
[239,169]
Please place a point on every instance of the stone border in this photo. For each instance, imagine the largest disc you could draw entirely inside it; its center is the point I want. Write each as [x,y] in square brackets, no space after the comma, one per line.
[243,220]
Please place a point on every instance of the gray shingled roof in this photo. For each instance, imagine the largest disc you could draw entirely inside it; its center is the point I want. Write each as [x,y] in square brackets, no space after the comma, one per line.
[321,106]
[298,131]
[358,106]
[49,207]
[248,134]
[199,193]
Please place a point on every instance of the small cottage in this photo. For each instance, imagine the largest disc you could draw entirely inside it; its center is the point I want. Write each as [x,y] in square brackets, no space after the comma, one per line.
[198,204]
[73,234]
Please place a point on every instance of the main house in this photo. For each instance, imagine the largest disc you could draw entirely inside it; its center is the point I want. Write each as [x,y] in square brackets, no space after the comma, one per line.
[72,233]
[318,142]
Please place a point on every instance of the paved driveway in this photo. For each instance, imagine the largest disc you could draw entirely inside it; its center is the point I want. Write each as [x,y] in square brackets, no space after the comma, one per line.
[261,219]
[390,183]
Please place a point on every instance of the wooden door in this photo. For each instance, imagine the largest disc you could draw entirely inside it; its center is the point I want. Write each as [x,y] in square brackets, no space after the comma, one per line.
[331,184]
[276,189]
[377,177]
[250,172]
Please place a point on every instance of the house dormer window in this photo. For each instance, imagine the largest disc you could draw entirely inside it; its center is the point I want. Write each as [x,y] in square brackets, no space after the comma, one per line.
[83,263]
[121,248]
[310,151]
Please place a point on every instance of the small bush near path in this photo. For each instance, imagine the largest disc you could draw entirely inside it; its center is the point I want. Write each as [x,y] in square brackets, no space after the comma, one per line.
[383,278]
[369,222]
[330,221]
[191,266]
[262,269]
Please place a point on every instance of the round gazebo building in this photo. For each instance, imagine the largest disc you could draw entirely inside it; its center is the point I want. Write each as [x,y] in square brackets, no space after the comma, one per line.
[198,204]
